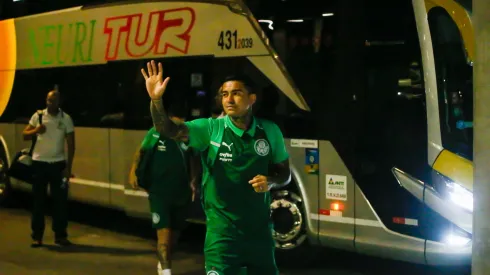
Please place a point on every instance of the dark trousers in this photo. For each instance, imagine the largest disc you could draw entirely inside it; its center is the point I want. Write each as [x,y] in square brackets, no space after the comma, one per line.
[51,173]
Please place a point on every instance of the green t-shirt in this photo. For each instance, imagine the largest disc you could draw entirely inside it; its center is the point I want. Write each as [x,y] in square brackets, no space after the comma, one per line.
[167,168]
[230,202]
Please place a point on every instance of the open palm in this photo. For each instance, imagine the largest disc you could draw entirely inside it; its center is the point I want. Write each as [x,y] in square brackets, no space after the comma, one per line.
[155,86]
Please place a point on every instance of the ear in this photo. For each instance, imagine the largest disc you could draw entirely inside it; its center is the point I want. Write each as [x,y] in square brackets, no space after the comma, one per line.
[253,98]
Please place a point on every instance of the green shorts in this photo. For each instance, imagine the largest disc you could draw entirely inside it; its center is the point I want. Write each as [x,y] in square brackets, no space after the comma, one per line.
[167,214]
[227,255]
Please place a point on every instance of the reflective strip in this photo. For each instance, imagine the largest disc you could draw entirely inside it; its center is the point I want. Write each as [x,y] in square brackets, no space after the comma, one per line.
[406,221]
[138,193]
[327,212]
[346,220]
[96,183]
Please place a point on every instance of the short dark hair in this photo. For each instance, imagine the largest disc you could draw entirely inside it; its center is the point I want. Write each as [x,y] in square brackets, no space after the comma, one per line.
[244,79]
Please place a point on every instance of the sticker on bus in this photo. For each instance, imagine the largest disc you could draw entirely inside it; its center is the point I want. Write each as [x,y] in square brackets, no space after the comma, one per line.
[304,143]
[311,161]
[336,187]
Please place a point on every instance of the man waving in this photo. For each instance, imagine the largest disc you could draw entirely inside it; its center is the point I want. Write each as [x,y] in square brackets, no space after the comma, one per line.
[243,159]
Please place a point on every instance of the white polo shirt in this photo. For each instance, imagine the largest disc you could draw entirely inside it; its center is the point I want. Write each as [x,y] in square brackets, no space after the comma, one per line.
[50,146]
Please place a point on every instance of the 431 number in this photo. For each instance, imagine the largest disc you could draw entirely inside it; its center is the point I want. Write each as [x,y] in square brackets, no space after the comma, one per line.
[229,39]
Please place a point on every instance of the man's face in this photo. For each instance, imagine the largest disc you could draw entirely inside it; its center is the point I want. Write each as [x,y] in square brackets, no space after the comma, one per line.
[53,101]
[235,98]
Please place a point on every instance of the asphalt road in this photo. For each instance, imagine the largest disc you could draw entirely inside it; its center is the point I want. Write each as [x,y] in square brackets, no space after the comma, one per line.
[107,242]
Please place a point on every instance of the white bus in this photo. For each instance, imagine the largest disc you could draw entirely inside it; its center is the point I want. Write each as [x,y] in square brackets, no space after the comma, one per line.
[378,126]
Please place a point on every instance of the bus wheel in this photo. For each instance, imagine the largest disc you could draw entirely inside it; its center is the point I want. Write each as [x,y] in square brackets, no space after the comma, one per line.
[289,231]
[5,190]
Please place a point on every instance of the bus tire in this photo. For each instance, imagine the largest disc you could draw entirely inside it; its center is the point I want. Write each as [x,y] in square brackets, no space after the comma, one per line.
[5,186]
[289,233]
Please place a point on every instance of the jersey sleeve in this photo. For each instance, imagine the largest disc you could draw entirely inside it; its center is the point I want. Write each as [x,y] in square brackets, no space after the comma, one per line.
[199,133]
[279,152]
[69,124]
[147,138]
[34,122]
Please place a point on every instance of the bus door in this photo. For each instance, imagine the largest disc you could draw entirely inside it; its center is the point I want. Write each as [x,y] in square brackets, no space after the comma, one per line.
[391,132]
[321,140]
[446,41]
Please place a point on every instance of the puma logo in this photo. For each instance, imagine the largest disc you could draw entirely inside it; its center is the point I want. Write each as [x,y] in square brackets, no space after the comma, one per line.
[228,146]
[161,146]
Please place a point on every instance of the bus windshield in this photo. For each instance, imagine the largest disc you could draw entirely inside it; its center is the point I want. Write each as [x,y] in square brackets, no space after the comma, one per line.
[454,83]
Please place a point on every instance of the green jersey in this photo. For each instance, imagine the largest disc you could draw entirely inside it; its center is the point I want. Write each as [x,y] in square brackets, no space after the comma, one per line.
[167,167]
[229,200]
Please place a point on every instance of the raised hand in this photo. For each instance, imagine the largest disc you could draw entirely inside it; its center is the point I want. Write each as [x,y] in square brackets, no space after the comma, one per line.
[155,86]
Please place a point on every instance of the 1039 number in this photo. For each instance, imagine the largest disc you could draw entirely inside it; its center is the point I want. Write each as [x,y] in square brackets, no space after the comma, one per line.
[229,39]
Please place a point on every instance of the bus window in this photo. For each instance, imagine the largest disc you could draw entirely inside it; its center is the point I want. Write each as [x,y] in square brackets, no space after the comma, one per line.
[88,94]
[305,44]
[454,84]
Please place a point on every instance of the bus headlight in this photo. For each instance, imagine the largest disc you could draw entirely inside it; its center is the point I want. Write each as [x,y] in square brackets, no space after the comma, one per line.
[456,240]
[460,195]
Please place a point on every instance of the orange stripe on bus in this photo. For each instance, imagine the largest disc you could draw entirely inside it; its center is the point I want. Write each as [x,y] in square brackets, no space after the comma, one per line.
[8,58]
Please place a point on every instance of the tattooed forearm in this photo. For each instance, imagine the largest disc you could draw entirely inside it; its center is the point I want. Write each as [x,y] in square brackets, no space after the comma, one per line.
[163,253]
[163,124]
[159,116]
[281,175]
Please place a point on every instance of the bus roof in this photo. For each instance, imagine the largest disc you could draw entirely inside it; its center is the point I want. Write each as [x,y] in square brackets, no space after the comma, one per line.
[99,34]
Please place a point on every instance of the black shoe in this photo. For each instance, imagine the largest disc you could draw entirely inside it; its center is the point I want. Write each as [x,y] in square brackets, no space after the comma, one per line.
[36,243]
[63,242]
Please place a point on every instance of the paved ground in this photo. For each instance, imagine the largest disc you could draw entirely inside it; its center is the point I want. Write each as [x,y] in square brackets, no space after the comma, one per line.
[109,243]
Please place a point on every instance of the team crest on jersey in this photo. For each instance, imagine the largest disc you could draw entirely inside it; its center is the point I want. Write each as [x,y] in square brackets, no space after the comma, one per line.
[262,147]
[212,272]
[155,218]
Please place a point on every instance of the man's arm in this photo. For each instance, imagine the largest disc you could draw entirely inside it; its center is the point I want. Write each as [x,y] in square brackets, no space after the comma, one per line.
[164,125]
[195,165]
[196,133]
[33,128]
[279,171]
[29,132]
[195,171]
[70,140]
[132,172]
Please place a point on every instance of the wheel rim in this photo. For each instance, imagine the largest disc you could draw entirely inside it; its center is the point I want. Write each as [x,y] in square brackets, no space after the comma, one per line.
[288,220]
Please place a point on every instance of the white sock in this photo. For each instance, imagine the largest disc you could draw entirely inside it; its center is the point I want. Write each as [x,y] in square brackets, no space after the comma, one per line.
[164,271]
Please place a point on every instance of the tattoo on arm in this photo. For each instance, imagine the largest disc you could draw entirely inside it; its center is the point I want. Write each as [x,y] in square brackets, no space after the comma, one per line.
[280,175]
[164,125]
[163,253]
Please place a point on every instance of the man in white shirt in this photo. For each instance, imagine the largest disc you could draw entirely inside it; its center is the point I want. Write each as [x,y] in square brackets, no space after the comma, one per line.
[51,166]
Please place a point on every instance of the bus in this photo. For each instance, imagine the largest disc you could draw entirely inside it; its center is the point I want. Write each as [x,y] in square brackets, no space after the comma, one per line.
[374,100]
